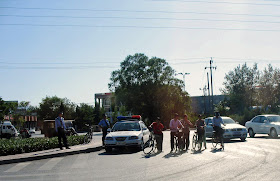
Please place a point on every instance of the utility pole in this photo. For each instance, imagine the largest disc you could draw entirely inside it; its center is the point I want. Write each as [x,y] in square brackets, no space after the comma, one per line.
[204,97]
[208,87]
[184,77]
[212,94]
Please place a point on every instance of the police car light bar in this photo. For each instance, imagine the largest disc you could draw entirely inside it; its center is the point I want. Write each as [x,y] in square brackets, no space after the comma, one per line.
[129,117]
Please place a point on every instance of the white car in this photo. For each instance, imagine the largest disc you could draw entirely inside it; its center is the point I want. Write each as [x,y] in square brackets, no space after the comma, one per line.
[32,131]
[127,133]
[264,124]
[231,129]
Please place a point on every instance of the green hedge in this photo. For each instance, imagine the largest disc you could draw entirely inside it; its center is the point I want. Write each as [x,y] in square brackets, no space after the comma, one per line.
[17,146]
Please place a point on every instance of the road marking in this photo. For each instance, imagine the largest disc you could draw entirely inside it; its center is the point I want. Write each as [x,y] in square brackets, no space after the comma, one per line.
[18,167]
[51,163]
[80,161]
[272,146]
[245,152]
[258,148]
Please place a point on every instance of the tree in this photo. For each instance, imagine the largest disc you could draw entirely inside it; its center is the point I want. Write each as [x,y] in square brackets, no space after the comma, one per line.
[268,94]
[84,115]
[51,106]
[240,85]
[148,87]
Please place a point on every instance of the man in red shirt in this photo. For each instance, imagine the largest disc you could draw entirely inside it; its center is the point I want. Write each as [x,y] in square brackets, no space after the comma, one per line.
[157,129]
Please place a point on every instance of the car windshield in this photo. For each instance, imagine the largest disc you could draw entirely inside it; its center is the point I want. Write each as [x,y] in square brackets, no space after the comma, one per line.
[274,118]
[228,121]
[134,126]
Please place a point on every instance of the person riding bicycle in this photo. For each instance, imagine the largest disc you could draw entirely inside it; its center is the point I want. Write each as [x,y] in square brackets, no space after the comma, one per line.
[157,128]
[174,126]
[217,121]
[200,128]
[186,131]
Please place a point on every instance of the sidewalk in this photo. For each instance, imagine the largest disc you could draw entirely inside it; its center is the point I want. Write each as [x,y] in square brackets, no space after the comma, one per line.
[95,145]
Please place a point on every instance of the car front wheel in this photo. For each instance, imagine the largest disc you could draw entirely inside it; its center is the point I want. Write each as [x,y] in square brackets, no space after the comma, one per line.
[273,133]
[251,133]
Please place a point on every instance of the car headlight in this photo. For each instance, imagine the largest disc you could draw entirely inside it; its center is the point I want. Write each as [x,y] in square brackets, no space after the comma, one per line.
[109,138]
[133,137]
[227,130]
[245,130]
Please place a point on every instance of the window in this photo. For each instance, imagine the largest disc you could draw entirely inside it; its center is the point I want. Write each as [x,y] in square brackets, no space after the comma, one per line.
[4,127]
[262,118]
[256,120]
[9,127]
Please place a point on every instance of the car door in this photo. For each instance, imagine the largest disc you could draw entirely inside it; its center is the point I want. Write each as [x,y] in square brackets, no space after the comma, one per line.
[265,125]
[256,124]
[209,127]
[145,131]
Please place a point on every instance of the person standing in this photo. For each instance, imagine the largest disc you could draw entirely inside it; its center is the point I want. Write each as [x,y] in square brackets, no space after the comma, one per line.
[104,125]
[186,131]
[217,121]
[174,125]
[157,129]
[60,129]
[200,128]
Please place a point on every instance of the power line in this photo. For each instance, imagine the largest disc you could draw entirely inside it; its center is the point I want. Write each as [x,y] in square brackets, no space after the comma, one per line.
[141,18]
[137,27]
[141,11]
[219,2]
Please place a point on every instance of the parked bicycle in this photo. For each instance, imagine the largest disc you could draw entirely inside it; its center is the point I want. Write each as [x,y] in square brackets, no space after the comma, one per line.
[149,146]
[217,140]
[88,136]
[196,143]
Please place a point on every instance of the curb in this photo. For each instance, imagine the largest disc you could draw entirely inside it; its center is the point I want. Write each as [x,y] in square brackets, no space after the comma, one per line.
[40,157]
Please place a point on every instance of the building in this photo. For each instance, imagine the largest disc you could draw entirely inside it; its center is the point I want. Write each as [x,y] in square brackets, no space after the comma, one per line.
[201,104]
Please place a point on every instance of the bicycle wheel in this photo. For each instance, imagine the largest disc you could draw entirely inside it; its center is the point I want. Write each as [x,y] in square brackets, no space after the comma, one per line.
[87,138]
[194,142]
[148,146]
[214,141]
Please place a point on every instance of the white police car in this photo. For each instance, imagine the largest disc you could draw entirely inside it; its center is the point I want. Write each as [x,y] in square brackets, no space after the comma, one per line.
[128,132]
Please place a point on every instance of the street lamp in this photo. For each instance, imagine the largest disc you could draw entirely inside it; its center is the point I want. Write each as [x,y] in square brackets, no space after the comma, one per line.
[184,77]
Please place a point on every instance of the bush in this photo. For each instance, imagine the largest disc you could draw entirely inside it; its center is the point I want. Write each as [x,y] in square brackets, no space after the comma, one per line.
[17,146]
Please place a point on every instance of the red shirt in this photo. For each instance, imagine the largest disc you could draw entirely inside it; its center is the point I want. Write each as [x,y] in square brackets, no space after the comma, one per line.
[157,127]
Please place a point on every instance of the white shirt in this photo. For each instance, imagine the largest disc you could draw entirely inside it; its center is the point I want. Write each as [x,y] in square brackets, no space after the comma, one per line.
[174,125]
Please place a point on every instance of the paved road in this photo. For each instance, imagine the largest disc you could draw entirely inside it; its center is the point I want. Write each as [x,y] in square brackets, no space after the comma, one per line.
[255,159]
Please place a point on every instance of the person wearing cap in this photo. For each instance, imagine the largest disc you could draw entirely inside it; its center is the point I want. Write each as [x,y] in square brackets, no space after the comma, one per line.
[217,125]
[104,125]
[60,129]
[174,125]
[200,128]
[186,131]
[157,129]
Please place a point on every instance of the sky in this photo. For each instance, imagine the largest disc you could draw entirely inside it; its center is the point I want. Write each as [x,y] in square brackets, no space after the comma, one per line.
[69,48]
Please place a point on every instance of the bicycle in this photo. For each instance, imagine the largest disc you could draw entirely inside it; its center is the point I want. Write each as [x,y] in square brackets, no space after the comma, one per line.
[196,143]
[149,146]
[88,136]
[179,140]
[217,140]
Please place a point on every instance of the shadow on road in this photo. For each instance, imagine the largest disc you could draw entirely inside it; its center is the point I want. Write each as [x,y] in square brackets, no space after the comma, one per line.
[124,151]
[174,154]
[153,154]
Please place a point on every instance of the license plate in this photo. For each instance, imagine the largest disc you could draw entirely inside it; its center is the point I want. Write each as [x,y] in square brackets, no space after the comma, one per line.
[236,134]
[121,143]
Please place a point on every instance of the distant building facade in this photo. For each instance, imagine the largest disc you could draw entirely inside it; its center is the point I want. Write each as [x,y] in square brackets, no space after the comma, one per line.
[201,104]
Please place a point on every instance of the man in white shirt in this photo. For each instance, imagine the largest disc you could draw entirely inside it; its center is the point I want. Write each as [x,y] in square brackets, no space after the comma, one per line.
[174,125]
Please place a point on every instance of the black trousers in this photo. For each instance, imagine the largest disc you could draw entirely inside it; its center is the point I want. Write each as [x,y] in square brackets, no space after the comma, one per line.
[172,136]
[104,131]
[186,140]
[159,139]
[61,134]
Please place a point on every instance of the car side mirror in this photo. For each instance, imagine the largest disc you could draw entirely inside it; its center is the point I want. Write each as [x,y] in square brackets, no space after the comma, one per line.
[109,130]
